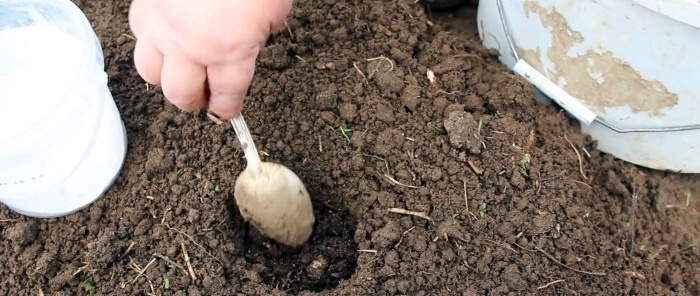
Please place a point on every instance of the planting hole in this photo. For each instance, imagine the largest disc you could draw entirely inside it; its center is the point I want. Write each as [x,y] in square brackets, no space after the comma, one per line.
[329,257]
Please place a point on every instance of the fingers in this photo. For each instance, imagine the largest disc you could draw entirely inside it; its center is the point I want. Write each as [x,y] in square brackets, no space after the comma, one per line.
[147,58]
[148,61]
[136,17]
[183,82]
[228,85]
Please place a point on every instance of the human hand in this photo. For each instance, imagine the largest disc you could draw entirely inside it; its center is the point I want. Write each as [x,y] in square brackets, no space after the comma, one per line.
[202,53]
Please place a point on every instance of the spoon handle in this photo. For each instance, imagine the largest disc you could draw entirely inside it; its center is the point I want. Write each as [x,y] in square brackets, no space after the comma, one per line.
[243,134]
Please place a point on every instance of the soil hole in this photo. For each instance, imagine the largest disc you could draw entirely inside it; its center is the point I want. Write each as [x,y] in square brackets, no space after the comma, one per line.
[329,257]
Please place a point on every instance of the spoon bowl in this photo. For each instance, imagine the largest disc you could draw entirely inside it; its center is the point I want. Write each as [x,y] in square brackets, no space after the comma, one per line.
[271,197]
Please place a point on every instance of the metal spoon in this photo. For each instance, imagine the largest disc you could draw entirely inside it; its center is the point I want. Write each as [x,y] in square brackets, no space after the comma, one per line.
[270,196]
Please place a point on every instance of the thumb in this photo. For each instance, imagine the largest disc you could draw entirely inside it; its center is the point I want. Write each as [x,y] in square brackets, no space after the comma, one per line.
[228,85]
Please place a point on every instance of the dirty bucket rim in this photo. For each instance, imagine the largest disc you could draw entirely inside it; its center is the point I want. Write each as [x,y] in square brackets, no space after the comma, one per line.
[597,118]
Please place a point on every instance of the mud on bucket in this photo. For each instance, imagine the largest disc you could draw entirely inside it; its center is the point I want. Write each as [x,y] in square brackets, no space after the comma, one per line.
[62,142]
[626,70]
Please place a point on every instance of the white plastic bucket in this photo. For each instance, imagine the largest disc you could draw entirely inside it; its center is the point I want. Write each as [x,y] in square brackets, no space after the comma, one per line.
[62,141]
[626,69]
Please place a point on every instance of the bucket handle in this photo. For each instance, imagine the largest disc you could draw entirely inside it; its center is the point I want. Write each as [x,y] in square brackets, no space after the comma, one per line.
[563,98]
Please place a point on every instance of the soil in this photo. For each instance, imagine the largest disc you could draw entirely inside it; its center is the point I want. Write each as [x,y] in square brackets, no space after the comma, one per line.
[463,186]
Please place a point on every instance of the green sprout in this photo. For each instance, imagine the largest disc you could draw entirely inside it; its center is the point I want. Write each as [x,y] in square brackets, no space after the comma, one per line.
[687,199]
[87,285]
[523,163]
[438,130]
[687,247]
[484,209]
[344,132]
[479,127]
[166,281]
[172,266]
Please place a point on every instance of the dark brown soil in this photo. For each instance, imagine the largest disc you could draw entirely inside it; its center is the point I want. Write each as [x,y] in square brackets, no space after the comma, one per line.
[345,102]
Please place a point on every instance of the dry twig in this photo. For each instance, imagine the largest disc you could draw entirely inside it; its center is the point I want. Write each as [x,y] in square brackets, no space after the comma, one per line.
[410,213]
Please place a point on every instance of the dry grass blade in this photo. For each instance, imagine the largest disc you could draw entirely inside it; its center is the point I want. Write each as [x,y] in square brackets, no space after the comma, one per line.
[194,242]
[477,170]
[530,141]
[384,30]
[635,275]
[128,249]
[549,284]
[386,164]
[187,260]
[214,118]
[354,65]
[393,181]
[507,246]
[402,236]
[466,201]
[566,266]
[80,269]
[391,65]
[578,155]
[410,213]
[142,270]
[171,262]
[633,209]
[289,30]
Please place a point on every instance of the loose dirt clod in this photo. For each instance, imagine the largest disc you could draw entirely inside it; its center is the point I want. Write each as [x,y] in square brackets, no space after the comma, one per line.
[462,129]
